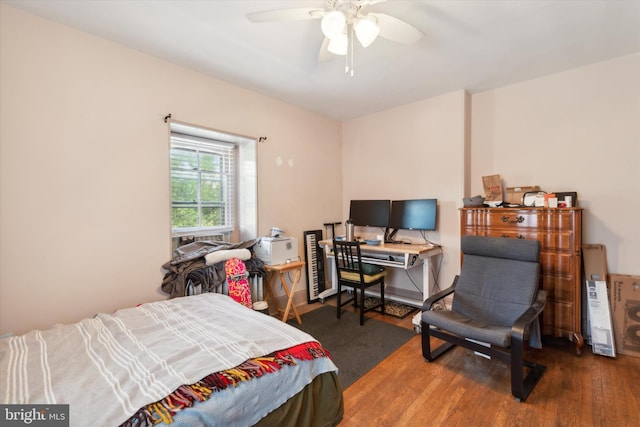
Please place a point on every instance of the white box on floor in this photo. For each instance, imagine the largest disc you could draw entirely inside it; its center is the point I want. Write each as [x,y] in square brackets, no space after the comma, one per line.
[602,341]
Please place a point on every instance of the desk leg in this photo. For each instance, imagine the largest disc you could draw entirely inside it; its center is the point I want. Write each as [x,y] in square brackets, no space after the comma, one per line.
[426,283]
[330,266]
[427,273]
[290,293]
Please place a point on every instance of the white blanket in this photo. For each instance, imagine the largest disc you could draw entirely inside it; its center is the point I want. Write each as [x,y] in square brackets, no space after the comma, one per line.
[108,367]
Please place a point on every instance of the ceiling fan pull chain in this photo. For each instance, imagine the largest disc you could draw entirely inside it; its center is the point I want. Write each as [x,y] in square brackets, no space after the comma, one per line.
[346,57]
[352,47]
[349,67]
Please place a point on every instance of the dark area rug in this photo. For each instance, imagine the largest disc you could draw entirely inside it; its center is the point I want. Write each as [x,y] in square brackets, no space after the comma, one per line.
[354,349]
[391,308]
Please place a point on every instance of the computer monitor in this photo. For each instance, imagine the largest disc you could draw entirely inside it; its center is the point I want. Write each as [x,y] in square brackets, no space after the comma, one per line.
[419,214]
[370,213]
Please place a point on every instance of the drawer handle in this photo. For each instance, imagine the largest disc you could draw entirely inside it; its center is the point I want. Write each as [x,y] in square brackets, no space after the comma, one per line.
[519,236]
[517,220]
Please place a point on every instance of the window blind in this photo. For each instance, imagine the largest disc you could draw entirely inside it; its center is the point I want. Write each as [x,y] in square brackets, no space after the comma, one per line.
[203,182]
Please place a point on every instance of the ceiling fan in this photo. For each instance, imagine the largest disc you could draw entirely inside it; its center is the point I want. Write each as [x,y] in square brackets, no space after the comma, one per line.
[343,20]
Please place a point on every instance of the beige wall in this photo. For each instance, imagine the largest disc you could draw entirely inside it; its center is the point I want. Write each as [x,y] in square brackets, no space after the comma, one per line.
[84,188]
[84,183]
[573,131]
[411,152]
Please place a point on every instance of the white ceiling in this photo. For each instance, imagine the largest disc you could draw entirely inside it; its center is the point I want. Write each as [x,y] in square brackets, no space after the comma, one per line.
[472,45]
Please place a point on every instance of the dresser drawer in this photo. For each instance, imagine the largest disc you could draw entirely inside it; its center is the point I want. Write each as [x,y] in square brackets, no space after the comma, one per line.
[500,218]
[559,288]
[558,241]
[519,219]
[554,241]
[558,263]
[558,316]
[494,232]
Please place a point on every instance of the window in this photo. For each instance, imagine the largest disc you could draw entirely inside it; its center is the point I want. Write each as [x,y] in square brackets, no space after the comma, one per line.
[213,183]
[202,184]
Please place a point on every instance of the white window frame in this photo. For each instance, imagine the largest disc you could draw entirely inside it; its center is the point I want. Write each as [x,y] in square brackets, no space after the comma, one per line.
[243,197]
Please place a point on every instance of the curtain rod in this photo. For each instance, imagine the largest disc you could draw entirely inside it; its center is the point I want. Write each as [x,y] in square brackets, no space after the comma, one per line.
[168,118]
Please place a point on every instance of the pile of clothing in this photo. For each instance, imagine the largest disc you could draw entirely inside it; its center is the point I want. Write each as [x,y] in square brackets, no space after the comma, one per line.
[201,266]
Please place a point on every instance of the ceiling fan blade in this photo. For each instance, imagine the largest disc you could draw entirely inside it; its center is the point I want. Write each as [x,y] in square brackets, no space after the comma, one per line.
[365,3]
[324,54]
[397,30]
[296,14]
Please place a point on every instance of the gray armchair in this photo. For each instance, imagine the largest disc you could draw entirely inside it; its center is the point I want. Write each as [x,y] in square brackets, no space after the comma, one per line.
[496,301]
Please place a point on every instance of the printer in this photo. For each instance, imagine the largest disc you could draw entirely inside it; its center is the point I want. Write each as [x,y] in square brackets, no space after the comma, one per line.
[276,250]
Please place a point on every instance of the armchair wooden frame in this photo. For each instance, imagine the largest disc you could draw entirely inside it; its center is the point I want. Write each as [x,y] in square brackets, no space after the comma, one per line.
[521,385]
[512,355]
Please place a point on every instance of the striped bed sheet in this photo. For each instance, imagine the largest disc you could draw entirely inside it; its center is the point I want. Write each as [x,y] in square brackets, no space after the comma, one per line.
[111,367]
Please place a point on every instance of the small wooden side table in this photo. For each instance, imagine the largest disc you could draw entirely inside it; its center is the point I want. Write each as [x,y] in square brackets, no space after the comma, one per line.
[271,278]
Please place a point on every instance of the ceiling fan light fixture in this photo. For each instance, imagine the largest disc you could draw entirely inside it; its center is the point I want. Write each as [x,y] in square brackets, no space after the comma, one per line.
[333,24]
[366,30]
[338,45]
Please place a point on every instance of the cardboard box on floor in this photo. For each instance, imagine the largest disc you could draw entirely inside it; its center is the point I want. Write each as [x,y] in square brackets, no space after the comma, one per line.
[624,294]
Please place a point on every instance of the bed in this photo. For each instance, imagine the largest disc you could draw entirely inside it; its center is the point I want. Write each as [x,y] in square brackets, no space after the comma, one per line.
[200,360]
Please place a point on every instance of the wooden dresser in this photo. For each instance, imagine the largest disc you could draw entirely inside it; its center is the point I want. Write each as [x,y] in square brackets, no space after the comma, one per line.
[559,231]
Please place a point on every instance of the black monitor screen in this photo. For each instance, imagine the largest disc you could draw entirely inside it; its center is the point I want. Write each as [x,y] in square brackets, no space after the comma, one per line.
[370,213]
[413,214]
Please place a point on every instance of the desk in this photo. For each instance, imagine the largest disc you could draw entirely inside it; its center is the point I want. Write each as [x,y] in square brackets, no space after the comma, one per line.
[391,255]
[279,270]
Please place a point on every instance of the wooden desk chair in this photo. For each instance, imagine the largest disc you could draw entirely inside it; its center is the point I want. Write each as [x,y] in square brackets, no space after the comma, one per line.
[355,274]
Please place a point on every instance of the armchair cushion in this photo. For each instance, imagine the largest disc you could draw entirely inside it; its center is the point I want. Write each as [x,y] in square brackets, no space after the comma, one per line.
[498,283]
[464,326]
[520,250]
[495,290]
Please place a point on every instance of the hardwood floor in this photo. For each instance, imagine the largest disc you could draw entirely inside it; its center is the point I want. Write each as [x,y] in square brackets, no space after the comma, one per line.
[462,389]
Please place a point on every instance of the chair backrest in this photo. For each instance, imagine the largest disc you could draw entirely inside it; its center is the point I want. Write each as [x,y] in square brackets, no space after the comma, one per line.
[499,278]
[347,256]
